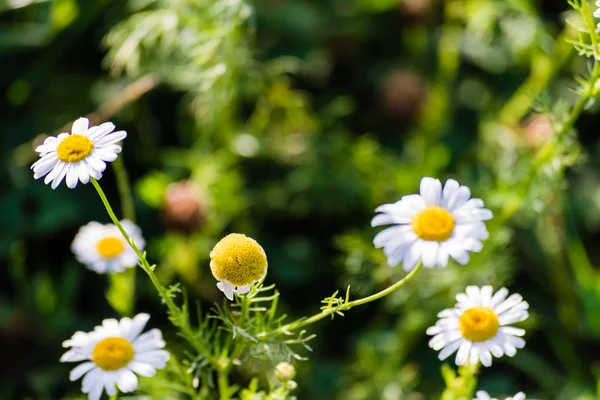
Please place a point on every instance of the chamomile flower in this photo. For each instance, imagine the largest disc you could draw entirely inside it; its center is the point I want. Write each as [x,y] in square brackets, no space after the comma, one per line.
[482,395]
[77,156]
[114,353]
[102,248]
[479,326]
[237,262]
[432,226]
[597,12]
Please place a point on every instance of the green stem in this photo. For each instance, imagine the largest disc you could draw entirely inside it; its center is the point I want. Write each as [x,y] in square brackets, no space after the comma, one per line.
[178,318]
[121,292]
[590,90]
[343,307]
[223,382]
[124,188]
[461,386]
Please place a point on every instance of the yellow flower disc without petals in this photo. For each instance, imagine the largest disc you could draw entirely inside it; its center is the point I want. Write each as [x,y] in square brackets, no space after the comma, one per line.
[113,353]
[478,324]
[110,247]
[74,148]
[238,259]
[434,223]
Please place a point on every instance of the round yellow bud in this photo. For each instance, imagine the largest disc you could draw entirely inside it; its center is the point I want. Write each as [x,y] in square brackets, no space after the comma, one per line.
[284,371]
[238,260]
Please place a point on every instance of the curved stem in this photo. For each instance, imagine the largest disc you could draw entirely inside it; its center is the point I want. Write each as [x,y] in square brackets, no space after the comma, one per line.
[178,317]
[346,306]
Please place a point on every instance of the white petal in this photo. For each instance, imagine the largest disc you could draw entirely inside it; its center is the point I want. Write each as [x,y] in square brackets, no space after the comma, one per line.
[414,201]
[80,126]
[499,297]
[429,253]
[387,219]
[156,358]
[461,196]
[449,350]
[431,191]
[226,288]
[91,379]
[399,253]
[474,355]
[95,163]
[142,369]
[61,175]
[127,381]
[457,252]
[481,395]
[519,396]
[72,176]
[486,295]
[101,130]
[242,289]
[512,318]
[474,294]
[496,348]
[486,358]
[463,352]
[95,391]
[137,326]
[113,138]
[73,355]
[512,301]
[402,238]
[472,215]
[80,370]
[449,193]
[412,256]
[84,175]
[509,330]
[399,208]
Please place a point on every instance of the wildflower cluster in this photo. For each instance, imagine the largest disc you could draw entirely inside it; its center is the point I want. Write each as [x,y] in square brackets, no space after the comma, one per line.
[440,226]
[428,229]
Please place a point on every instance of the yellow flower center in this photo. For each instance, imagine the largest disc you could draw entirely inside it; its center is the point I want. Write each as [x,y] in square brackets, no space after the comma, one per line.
[113,353]
[74,148]
[238,259]
[110,247]
[478,324]
[433,223]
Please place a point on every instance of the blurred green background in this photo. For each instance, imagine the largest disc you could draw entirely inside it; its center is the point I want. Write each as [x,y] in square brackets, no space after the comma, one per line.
[290,121]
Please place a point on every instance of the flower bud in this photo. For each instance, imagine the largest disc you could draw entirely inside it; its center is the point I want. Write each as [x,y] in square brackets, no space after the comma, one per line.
[237,262]
[284,371]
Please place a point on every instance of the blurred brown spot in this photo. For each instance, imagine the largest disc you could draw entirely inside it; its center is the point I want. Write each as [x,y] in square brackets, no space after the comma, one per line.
[415,10]
[403,92]
[14,332]
[537,130]
[184,208]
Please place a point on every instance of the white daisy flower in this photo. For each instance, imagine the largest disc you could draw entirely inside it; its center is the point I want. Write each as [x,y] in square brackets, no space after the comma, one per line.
[114,353]
[102,248]
[482,395]
[597,12]
[79,155]
[432,225]
[479,326]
